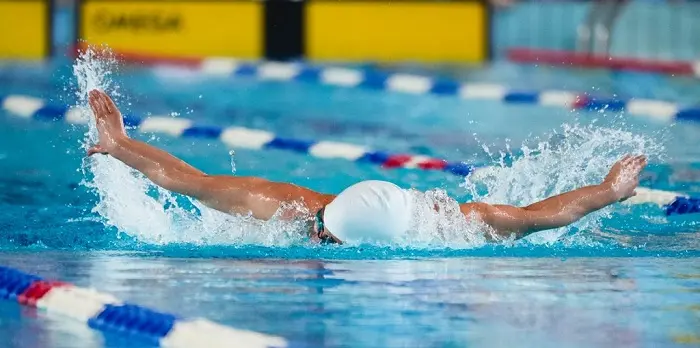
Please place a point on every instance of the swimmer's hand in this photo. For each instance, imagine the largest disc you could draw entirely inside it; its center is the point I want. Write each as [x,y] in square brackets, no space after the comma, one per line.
[108,119]
[623,177]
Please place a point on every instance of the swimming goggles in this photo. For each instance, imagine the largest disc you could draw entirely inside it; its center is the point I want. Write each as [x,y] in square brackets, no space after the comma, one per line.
[326,238]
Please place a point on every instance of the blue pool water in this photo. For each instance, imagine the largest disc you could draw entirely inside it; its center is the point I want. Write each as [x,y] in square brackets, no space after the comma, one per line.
[628,276]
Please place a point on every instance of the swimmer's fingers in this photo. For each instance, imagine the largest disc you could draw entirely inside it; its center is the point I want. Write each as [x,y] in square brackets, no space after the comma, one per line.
[109,103]
[625,161]
[96,103]
[636,159]
[93,103]
[635,162]
[105,102]
[101,98]
[638,163]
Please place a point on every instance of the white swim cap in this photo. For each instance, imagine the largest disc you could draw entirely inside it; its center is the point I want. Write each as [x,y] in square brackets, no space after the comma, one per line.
[369,211]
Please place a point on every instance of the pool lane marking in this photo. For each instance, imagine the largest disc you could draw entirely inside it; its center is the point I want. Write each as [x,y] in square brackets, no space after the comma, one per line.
[409,84]
[341,77]
[417,84]
[246,138]
[22,105]
[239,137]
[168,125]
[104,312]
[557,98]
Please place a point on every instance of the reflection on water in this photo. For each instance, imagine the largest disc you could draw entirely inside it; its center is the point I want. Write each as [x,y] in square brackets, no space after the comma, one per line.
[539,302]
[27,327]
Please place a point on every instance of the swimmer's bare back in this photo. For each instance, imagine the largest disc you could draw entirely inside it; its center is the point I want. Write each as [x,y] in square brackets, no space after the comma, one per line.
[262,198]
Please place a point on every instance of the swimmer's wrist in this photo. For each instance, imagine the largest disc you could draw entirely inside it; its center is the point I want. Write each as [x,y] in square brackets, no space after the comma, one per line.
[116,142]
[609,191]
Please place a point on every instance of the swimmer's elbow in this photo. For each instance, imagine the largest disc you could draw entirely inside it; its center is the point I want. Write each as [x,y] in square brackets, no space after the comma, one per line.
[163,180]
[505,220]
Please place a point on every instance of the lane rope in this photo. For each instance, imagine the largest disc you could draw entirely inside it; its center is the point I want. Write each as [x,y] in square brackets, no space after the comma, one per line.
[238,137]
[104,312]
[416,84]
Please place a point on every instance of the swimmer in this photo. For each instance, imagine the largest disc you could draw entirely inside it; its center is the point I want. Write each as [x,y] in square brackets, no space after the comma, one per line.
[366,211]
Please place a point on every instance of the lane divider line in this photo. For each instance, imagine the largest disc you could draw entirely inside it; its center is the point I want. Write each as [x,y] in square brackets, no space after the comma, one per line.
[658,110]
[417,84]
[239,137]
[104,312]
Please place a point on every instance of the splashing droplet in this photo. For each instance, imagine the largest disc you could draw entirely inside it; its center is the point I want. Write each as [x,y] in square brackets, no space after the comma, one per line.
[136,207]
[233,162]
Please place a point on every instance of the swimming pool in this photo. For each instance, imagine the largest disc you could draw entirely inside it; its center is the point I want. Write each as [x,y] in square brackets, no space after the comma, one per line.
[626,276]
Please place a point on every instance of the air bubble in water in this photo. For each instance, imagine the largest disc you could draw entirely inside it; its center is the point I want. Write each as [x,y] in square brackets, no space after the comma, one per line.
[233,162]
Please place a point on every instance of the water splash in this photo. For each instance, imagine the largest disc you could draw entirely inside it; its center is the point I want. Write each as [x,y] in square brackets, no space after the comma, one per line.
[131,203]
[123,201]
[233,162]
[439,222]
[571,157]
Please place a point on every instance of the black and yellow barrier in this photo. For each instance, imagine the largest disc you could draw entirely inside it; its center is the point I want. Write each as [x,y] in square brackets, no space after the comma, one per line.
[347,30]
[25,29]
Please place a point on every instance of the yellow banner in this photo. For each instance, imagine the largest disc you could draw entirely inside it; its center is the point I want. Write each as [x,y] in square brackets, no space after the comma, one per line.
[175,28]
[24,29]
[429,31]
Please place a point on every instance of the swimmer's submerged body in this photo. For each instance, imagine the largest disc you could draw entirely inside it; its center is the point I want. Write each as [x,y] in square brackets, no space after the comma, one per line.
[369,210]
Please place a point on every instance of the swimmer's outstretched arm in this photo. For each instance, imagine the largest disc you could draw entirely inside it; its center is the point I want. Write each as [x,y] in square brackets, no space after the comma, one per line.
[243,195]
[563,209]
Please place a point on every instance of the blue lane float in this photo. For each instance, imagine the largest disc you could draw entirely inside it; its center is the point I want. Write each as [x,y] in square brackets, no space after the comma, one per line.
[104,312]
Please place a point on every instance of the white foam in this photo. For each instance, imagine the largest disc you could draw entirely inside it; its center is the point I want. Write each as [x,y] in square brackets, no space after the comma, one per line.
[123,201]
[135,206]
[438,222]
[573,157]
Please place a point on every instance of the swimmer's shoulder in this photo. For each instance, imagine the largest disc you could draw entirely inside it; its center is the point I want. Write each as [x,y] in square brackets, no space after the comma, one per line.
[289,192]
